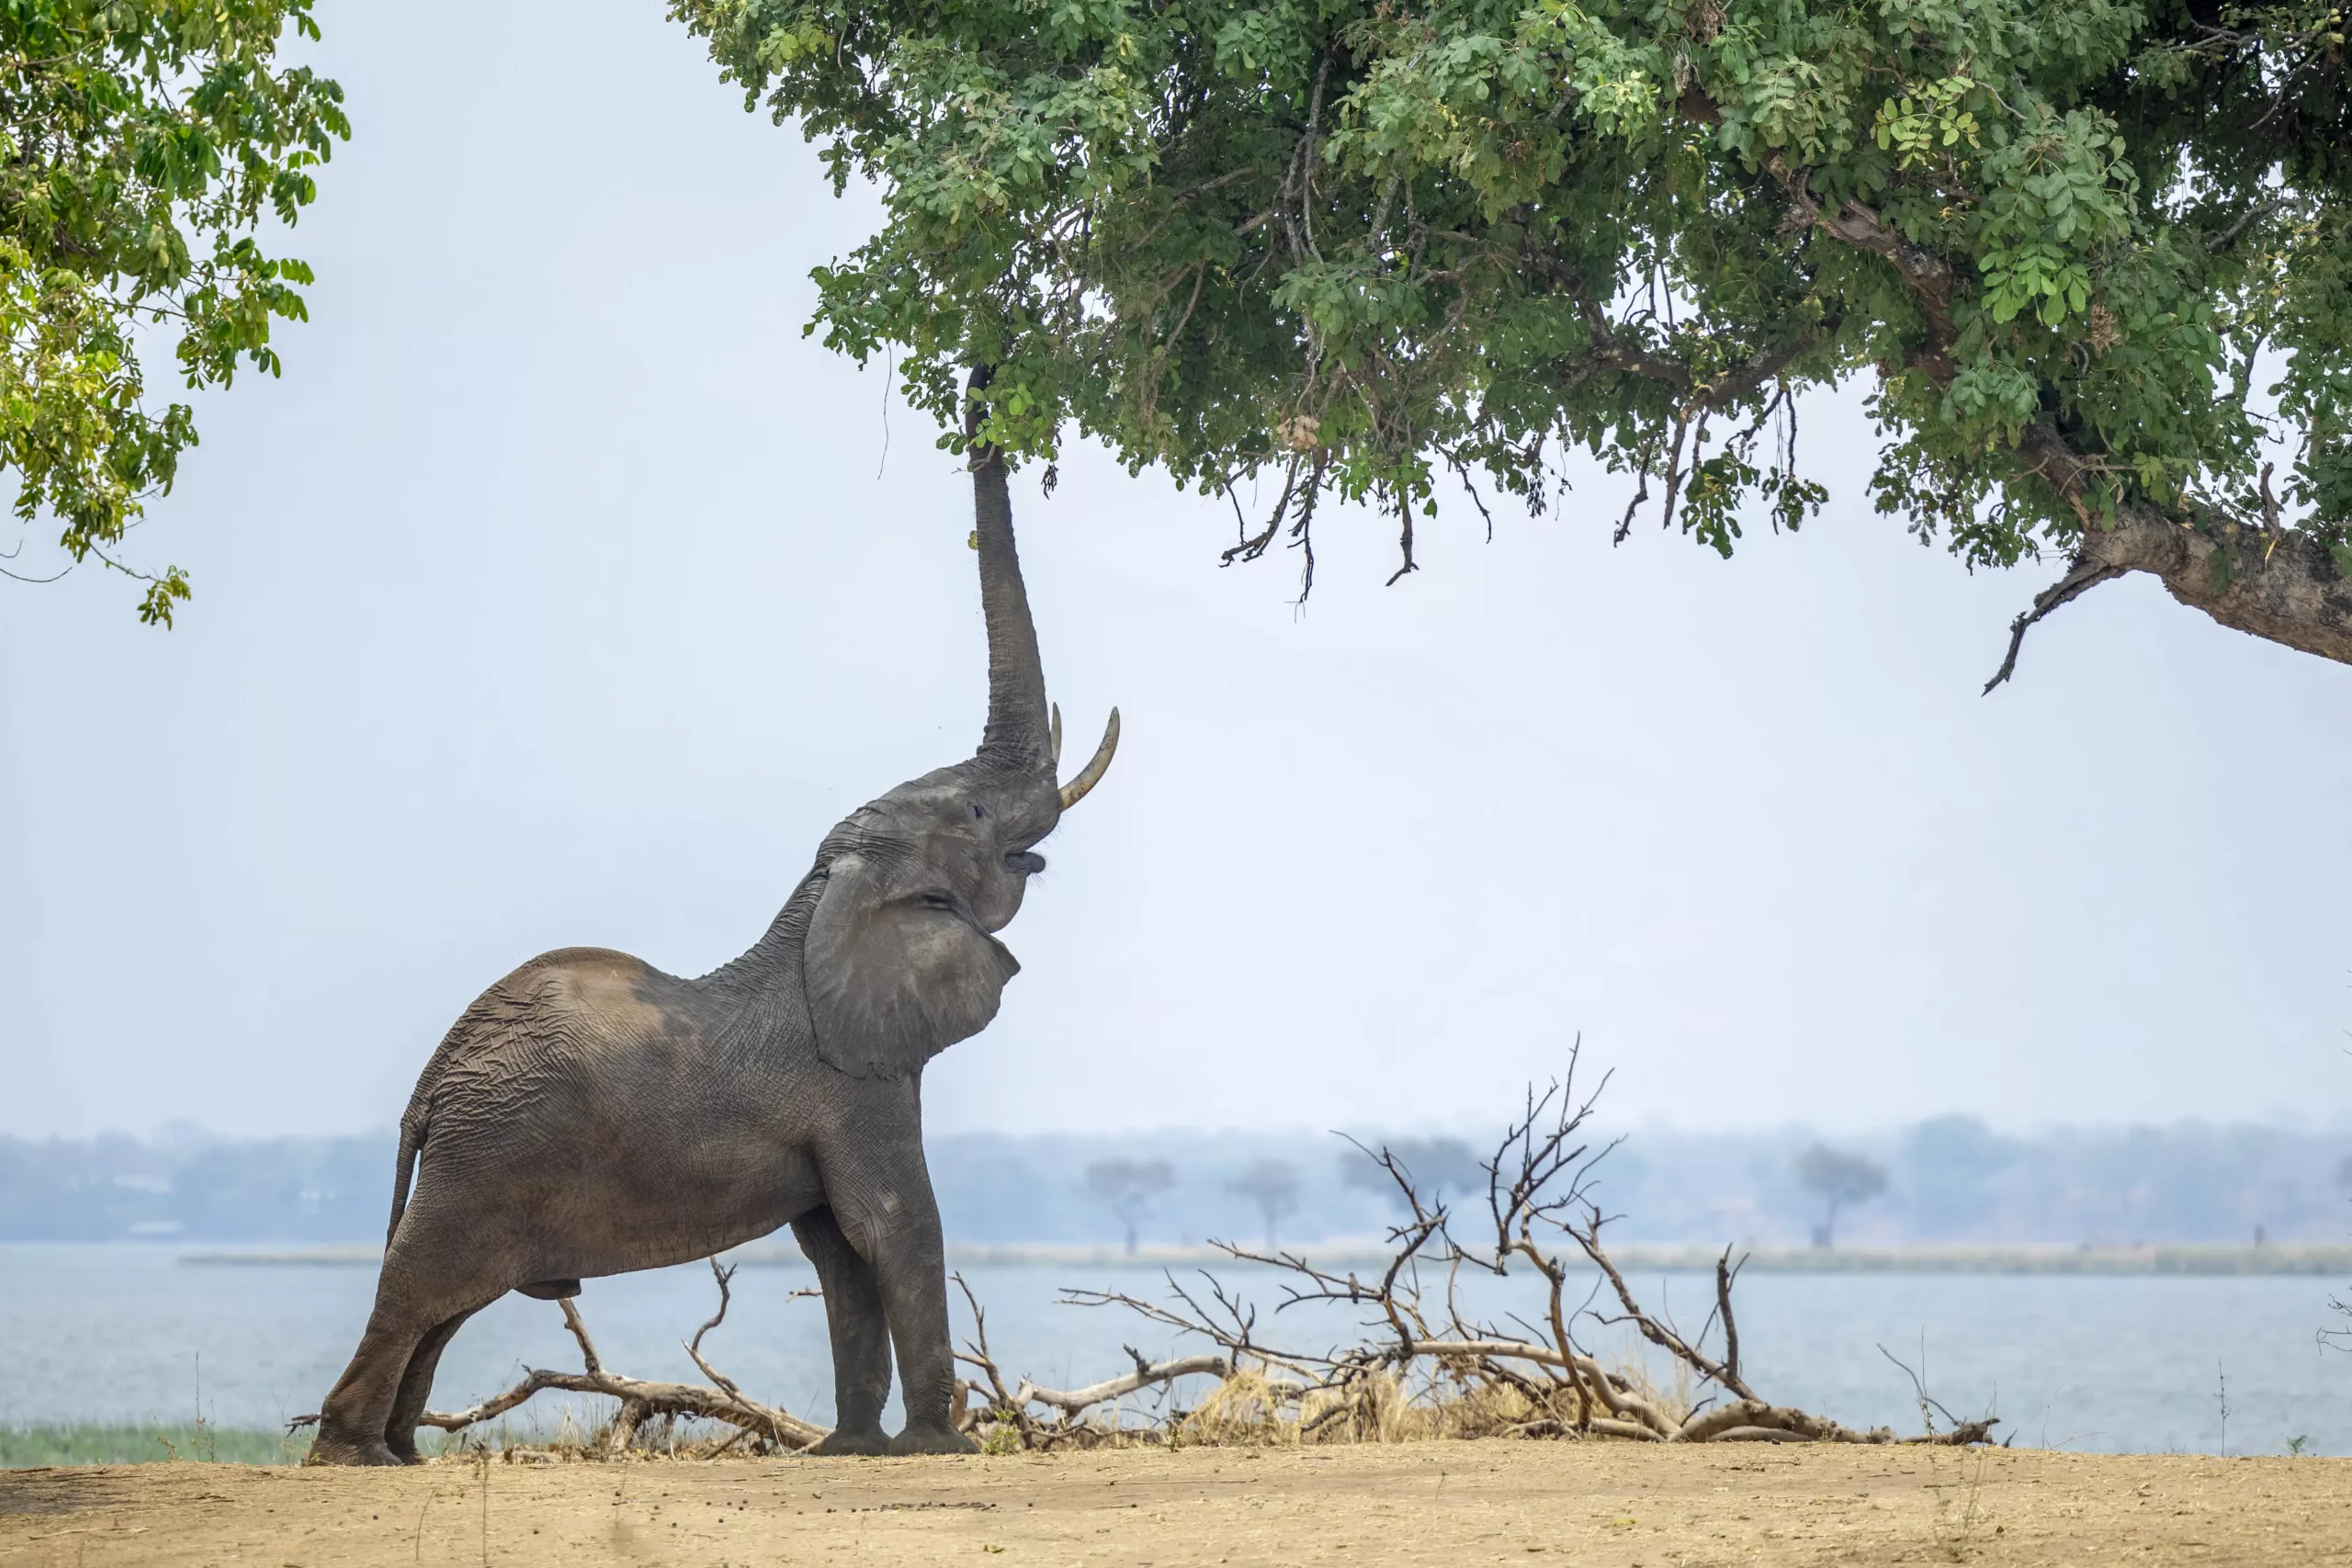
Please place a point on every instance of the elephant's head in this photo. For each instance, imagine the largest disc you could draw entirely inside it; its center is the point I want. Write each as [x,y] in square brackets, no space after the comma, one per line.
[900,959]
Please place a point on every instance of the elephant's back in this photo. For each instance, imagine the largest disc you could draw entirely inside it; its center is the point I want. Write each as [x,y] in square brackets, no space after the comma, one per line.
[623,994]
[567,1031]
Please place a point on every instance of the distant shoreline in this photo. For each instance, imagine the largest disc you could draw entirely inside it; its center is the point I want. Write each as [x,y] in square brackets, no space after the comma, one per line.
[2205,1258]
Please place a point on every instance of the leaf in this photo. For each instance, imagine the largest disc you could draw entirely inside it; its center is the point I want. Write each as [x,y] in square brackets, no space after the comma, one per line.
[167,129]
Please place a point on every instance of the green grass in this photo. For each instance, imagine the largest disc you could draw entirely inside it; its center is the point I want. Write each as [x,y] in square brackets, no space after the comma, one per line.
[24,1445]
[155,1442]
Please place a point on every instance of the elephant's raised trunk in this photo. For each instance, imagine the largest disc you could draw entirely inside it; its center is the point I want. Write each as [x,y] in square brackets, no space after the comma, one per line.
[1016,734]
[1019,735]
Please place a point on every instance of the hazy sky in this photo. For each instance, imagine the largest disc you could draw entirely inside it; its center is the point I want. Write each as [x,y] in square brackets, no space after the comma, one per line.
[561,593]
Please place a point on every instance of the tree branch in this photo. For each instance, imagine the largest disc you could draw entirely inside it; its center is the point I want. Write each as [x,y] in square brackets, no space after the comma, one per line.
[1146,1374]
[2080,580]
[641,1400]
[2282,585]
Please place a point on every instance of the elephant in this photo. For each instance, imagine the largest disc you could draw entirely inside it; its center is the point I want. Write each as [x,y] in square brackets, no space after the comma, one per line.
[591,1116]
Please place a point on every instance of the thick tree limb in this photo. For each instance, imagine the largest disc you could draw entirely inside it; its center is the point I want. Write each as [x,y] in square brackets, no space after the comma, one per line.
[2274,582]
[2277,584]
[2280,584]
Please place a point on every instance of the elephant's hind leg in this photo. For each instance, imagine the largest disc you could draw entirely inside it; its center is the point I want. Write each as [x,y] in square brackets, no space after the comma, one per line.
[861,1335]
[416,1387]
[357,1412]
[442,1266]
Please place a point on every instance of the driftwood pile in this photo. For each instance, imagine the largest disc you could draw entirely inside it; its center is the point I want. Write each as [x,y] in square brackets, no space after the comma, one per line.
[1421,1368]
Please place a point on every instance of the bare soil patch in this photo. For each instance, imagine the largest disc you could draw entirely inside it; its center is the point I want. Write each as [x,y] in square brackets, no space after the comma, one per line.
[1598,1504]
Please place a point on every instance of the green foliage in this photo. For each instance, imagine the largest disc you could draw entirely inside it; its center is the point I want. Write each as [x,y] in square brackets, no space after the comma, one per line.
[142,143]
[1365,244]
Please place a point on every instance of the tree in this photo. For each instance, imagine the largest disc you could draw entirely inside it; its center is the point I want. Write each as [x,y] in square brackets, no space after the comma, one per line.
[1837,1180]
[1128,1186]
[1437,1166]
[1272,1185]
[2091,260]
[141,143]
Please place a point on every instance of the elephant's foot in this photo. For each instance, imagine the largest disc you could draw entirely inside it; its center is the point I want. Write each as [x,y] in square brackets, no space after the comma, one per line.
[332,1447]
[865,1441]
[928,1440]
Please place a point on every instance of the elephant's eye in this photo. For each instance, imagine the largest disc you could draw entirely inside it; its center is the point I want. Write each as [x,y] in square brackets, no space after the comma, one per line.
[979,812]
[936,901]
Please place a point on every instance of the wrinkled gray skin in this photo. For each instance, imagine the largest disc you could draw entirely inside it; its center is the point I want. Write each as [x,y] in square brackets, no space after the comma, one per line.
[592,1115]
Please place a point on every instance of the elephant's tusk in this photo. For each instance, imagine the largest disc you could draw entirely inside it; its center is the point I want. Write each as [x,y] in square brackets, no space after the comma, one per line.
[1055,764]
[1076,790]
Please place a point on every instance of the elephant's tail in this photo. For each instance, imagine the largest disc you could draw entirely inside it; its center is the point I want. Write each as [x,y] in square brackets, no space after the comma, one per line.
[412,1141]
[475,1026]
[418,1118]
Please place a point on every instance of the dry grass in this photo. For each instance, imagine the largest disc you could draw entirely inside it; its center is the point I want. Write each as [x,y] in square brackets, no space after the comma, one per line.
[1256,1409]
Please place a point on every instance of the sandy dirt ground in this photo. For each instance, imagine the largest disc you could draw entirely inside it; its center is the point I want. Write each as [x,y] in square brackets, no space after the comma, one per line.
[1602,1506]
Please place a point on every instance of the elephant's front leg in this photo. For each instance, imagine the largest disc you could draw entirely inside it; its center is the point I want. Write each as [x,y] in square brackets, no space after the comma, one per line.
[861,1335]
[911,1262]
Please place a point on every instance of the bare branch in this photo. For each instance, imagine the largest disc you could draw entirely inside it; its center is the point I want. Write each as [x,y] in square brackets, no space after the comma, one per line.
[1005,1406]
[643,1401]
[1727,1274]
[1073,1401]
[572,1321]
[2081,579]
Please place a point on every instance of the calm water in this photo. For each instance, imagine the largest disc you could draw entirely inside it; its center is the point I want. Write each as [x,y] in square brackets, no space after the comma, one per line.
[125,1332]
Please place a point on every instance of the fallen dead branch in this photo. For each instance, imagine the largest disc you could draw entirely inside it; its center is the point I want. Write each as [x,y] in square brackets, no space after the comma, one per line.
[643,1401]
[1477,1378]
[1145,1375]
[1007,1410]
[771,1429]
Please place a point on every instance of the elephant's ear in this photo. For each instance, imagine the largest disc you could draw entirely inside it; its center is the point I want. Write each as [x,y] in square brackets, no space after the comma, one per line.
[891,982]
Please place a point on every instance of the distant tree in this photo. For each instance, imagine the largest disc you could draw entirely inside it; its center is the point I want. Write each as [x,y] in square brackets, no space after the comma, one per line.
[1438,1166]
[148,144]
[1272,1185]
[1128,1186]
[1837,1179]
